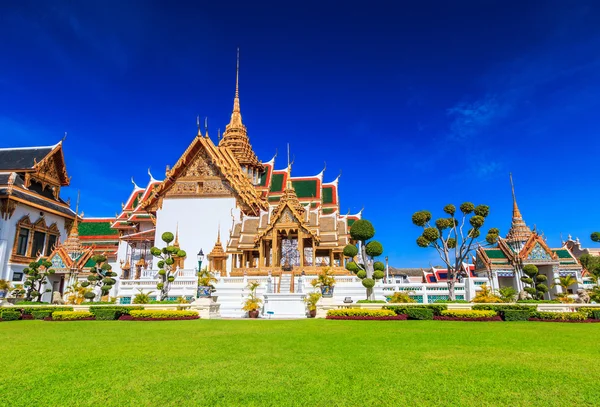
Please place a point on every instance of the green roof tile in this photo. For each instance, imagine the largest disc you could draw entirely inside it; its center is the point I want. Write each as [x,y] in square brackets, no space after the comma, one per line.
[96,229]
[327,211]
[276,183]
[327,195]
[305,188]
[495,253]
[563,254]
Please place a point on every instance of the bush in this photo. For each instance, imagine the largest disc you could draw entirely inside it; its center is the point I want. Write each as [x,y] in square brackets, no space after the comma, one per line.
[403,309]
[590,312]
[123,309]
[538,302]
[31,303]
[71,315]
[500,309]
[370,302]
[161,314]
[451,302]
[30,310]
[596,314]
[400,297]
[107,314]
[558,316]
[419,313]
[516,315]
[41,314]
[10,315]
[467,313]
[359,312]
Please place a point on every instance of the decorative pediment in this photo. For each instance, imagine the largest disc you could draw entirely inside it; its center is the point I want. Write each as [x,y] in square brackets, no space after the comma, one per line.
[536,249]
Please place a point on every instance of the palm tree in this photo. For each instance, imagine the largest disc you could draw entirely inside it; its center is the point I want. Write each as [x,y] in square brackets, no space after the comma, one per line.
[565,282]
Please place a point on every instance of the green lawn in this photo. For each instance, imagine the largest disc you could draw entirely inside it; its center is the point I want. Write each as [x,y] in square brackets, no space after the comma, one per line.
[304,362]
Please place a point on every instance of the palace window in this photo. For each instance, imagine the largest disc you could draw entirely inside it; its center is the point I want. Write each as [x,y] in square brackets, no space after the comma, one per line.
[37,248]
[51,242]
[33,240]
[22,241]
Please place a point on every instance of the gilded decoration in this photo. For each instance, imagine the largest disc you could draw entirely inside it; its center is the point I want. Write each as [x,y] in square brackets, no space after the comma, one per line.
[538,253]
[7,208]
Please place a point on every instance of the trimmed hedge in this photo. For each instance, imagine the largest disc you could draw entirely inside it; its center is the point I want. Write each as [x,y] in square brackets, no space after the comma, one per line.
[30,310]
[107,314]
[41,314]
[371,302]
[469,314]
[123,309]
[596,314]
[590,312]
[500,309]
[516,315]
[403,309]
[419,313]
[72,315]
[10,315]
[558,316]
[360,312]
[161,314]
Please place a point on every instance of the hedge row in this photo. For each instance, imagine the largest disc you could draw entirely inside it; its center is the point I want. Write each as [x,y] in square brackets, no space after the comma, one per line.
[161,314]
[72,315]
[360,312]
[469,314]
[403,309]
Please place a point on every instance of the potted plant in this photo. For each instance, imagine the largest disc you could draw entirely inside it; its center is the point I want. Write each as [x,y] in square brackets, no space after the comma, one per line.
[4,287]
[205,280]
[326,282]
[311,303]
[252,303]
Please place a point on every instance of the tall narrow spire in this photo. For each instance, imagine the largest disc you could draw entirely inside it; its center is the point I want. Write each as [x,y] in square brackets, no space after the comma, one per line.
[519,231]
[72,244]
[235,136]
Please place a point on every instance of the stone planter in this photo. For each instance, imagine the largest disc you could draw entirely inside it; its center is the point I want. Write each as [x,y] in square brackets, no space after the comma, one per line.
[312,313]
[204,291]
[327,291]
[253,314]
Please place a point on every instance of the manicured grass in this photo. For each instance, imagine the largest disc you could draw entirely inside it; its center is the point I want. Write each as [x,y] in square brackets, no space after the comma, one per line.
[304,362]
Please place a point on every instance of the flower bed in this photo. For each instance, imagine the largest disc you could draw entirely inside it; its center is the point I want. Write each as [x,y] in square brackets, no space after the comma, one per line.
[159,315]
[400,317]
[360,312]
[72,316]
[478,319]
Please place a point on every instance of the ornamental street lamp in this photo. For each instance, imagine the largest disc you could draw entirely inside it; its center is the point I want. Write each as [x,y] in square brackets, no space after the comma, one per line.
[200,257]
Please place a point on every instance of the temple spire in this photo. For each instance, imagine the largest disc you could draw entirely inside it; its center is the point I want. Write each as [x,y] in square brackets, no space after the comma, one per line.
[519,231]
[236,115]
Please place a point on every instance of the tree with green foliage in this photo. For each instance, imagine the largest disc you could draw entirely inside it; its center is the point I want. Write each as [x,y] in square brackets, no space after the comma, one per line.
[535,280]
[167,271]
[507,294]
[595,237]
[447,236]
[37,276]
[101,276]
[592,265]
[365,268]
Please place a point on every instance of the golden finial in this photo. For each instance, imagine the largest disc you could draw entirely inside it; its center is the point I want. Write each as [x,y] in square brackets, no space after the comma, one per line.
[219,134]
[198,125]
[237,74]
[206,127]
[64,137]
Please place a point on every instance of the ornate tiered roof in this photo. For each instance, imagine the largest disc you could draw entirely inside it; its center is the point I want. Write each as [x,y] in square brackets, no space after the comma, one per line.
[519,231]
[235,137]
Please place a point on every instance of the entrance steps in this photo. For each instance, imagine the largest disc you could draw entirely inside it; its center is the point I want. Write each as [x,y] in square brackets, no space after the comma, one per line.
[285,285]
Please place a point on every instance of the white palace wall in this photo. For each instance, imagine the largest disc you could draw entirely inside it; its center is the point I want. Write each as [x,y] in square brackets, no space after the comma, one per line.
[198,220]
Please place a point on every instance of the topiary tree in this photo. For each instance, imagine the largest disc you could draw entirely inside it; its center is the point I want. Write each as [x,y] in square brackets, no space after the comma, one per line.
[167,256]
[367,269]
[535,280]
[595,237]
[447,237]
[37,276]
[101,275]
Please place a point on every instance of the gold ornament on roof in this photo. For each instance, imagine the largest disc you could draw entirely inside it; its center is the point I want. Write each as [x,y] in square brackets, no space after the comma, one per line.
[519,231]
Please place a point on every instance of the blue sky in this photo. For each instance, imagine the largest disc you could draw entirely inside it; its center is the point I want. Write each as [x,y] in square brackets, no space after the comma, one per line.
[418,105]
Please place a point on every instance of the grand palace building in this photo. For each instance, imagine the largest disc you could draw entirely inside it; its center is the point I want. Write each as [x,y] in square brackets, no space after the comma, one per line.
[234,214]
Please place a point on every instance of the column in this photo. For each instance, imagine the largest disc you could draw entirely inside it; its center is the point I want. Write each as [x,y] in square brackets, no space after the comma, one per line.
[275,249]
[301,246]
[331,258]
[261,255]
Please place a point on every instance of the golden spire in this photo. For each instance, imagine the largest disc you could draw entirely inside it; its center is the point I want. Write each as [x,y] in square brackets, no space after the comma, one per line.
[198,125]
[72,244]
[235,136]
[176,242]
[519,231]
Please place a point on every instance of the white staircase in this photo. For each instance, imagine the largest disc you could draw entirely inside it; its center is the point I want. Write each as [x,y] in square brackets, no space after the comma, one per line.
[285,285]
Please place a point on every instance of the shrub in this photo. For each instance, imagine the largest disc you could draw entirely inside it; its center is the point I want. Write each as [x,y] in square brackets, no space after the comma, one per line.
[31,303]
[370,302]
[403,309]
[10,315]
[360,312]
[451,302]
[516,315]
[30,310]
[161,314]
[558,316]
[538,302]
[596,314]
[590,312]
[71,315]
[419,313]
[467,313]
[41,314]
[500,309]
[400,297]
[123,309]
[107,314]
